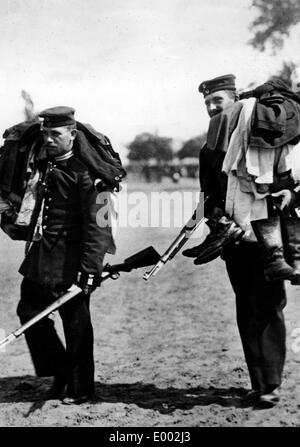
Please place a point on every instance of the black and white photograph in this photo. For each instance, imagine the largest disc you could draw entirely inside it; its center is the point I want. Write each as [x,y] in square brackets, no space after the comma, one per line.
[149,216]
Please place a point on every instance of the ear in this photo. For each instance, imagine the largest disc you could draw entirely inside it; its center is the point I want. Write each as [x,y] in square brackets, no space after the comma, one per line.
[73,134]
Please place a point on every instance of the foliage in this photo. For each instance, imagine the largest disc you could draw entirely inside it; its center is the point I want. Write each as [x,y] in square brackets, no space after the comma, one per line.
[146,146]
[286,71]
[192,147]
[274,22]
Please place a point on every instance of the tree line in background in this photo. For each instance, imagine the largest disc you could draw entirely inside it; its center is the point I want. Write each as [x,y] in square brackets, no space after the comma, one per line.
[153,157]
[147,146]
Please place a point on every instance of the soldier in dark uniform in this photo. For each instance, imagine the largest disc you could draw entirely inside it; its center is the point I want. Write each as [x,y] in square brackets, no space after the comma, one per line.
[219,94]
[71,250]
[259,303]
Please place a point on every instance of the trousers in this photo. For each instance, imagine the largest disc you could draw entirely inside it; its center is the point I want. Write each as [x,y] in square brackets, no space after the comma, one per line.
[74,361]
[259,313]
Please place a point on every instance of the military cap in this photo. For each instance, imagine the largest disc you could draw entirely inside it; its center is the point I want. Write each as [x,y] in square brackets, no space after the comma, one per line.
[58,116]
[226,82]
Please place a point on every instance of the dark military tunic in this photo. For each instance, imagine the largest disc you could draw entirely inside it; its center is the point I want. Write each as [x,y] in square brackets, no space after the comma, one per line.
[213,182]
[72,242]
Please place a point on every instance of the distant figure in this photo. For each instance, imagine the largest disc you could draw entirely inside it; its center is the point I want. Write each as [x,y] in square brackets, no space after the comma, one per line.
[146,173]
[176,176]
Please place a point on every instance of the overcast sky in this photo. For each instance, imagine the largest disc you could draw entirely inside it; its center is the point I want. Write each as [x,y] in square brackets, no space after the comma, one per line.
[127,66]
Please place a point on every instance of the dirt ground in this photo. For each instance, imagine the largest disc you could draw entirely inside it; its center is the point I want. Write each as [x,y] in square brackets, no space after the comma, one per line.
[167,351]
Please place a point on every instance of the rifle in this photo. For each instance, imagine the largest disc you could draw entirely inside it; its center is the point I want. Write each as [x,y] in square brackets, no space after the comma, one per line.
[146,257]
[184,235]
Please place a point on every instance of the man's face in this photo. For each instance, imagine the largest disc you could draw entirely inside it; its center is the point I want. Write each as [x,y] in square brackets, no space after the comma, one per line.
[217,101]
[58,140]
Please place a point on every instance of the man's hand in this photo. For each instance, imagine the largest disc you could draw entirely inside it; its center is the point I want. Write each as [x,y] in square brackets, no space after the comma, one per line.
[286,196]
[87,282]
[87,290]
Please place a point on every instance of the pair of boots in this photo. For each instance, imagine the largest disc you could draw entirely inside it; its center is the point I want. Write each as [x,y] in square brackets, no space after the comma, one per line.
[279,241]
[223,232]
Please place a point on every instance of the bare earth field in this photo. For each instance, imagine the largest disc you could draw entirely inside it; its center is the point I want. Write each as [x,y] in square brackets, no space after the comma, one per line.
[167,351]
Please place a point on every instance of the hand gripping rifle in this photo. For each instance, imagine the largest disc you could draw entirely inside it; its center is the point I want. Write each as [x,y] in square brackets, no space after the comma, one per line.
[144,258]
[184,235]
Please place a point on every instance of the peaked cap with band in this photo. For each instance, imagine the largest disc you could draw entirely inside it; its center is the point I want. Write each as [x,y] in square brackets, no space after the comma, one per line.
[226,82]
[58,116]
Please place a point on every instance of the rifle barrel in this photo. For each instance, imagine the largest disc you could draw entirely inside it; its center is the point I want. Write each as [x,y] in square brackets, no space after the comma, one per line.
[154,270]
[11,337]
[75,290]
[173,248]
[176,245]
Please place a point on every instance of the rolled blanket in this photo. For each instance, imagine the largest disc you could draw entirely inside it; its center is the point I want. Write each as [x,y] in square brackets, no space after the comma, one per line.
[99,162]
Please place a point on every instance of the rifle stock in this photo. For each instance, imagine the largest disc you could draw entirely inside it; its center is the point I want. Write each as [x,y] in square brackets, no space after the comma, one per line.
[147,256]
